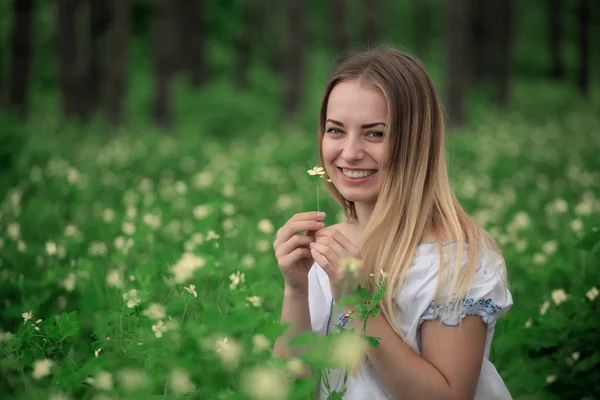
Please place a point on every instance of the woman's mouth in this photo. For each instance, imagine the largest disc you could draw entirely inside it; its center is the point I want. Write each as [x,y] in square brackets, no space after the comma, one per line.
[357,175]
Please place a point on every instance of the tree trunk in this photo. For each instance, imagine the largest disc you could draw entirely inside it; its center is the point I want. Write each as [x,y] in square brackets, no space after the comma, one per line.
[583,75]
[70,71]
[557,68]
[294,58]
[339,29]
[164,60]
[21,56]
[192,33]
[99,19]
[118,61]
[371,13]
[499,54]
[457,18]
[422,26]
[242,49]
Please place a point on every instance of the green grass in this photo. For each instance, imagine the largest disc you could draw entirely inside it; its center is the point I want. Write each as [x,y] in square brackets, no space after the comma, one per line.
[89,202]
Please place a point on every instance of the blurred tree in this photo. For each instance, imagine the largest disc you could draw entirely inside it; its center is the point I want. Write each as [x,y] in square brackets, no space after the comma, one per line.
[242,46]
[339,26]
[583,76]
[118,60]
[370,31]
[492,26]
[457,44]
[71,72]
[163,39]
[99,18]
[21,56]
[293,79]
[423,14]
[192,38]
[557,68]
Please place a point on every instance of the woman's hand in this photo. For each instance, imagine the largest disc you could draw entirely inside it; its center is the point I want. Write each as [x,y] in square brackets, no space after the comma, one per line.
[332,250]
[292,249]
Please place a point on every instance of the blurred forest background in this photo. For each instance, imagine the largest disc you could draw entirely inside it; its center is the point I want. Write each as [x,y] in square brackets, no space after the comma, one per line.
[124,59]
[150,144]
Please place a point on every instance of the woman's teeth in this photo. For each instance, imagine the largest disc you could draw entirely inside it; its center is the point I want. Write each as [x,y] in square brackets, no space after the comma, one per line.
[358,174]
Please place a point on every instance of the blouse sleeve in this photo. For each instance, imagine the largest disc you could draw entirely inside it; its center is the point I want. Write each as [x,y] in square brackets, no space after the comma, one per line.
[489,297]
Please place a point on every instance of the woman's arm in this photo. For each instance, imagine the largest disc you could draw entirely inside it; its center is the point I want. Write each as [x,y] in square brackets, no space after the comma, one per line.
[449,368]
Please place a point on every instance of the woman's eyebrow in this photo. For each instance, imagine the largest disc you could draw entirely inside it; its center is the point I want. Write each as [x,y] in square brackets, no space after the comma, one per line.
[365,126]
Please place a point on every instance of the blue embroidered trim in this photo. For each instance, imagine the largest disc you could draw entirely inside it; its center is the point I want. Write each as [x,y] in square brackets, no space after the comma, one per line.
[483,307]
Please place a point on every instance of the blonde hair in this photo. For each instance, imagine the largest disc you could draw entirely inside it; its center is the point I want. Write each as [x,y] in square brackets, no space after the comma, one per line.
[414,193]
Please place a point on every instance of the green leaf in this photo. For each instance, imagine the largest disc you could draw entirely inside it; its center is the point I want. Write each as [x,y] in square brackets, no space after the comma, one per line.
[68,324]
[305,339]
[372,340]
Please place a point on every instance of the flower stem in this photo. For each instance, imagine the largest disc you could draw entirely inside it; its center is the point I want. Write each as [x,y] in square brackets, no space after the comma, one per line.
[318,206]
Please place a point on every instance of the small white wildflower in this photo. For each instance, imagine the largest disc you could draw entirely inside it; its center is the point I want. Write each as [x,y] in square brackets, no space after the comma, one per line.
[201,212]
[229,351]
[212,235]
[260,343]
[539,258]
[128,228]
[550,247]
[180,382]
[51,248]
[316,170]
[265,383]
[592,293]
[295,367]
[263,246]
[131,379]
[13,230]
[113,279]
[69,282]
[544,307]
[192,289]
[236,279]
[550,378]
[41,368]
[27,316]
[248,261]
[103,381]
[155,311]
[575,356]
[228,209]
[577,225]
[559,296]
[228,190]
[131,298]
[96,352]
[159,329]
[265,226]
[528,323]
[256,301]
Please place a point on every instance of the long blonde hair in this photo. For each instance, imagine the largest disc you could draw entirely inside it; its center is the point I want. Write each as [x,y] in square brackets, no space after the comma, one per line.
[414,194]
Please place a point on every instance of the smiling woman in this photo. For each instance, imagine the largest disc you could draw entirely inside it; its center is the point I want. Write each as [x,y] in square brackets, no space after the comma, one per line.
[381,140]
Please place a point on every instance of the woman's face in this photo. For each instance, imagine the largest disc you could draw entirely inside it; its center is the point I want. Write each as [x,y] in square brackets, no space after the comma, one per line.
[353,144]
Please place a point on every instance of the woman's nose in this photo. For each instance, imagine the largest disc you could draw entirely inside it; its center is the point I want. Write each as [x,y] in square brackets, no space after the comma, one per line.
[353,149]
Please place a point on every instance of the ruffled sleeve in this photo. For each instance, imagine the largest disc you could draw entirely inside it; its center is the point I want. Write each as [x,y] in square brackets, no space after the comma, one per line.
[489,297]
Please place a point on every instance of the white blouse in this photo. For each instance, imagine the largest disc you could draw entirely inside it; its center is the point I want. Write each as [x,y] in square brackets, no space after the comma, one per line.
[488,298]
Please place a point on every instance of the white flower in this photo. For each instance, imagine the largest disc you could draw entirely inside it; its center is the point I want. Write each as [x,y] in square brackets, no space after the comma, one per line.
[131,379]
[236,279]
[316,170]
[201,212]
[228,209]
[229,351]
[550,378]
[576,225]
[113,279]
[295,366]
[559,296]
[539,258]
[192,289]
[263,246]
[212,235]
[69,282]
[180,382]
[544,307]
[256,301]
[155,311]
[260,343]
[41,368]
[265,226]
[96,352]
[132,298]
[103,381]
[159,329]
[528,323]
[27,316]
[51,248]
[575,356]
[550,247]
[186,266]
[13,230]
[248,261]
[265,383]
[592,293]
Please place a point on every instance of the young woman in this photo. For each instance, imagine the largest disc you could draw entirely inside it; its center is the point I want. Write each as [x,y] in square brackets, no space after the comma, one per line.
[381,141]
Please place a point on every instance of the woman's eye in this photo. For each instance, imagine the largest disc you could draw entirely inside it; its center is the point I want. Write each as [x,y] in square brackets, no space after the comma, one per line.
[378,134]
[334,130]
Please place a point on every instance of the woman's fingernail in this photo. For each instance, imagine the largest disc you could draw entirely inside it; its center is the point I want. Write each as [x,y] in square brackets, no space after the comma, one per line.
[320,225]
[320,214]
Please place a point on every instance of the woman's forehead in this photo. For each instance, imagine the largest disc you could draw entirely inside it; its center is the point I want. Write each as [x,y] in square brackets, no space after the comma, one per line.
[354,101]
